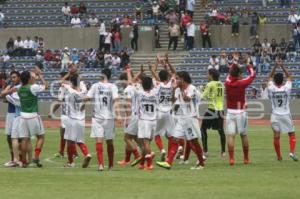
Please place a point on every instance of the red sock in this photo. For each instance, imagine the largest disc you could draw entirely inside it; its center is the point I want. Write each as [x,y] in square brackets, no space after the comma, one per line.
[62,145]
[148,158]
[136,153]
[276,142]
[292,142]
[195,146]
[246,152]
[187,151]
[37,152]
[142,161]
[83,148]
[70,152]
[110,152]
[181,142]
[127,155]
[159,142]
[231,152]
[173,150]
[169,143]
[99,150]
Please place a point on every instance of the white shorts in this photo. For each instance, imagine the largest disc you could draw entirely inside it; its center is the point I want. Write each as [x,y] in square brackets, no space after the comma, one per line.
[30,127]
[187,128]
[9,122]
[165,124]
[282,123]
[16,128]
[63,120]
[146,129]
[103,128]
[132,128]
[75,130]
[236,123]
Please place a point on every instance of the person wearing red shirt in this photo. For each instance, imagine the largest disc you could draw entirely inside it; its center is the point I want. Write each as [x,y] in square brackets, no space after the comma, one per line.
[185,20]
[74,10]
[236,119]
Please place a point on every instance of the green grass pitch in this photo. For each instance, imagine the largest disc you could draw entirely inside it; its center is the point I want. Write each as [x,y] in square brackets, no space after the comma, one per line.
[264,178]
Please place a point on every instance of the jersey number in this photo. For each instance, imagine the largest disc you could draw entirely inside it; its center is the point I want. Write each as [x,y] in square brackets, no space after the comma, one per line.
[149,107]
[220,92]
[280,101]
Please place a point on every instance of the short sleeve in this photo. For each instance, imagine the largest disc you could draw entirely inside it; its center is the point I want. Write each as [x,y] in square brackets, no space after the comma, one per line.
[288,85]
[270,85]
[36,88]
[92,91]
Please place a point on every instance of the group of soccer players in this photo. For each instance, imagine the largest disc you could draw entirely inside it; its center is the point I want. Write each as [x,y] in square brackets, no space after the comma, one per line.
[164,105]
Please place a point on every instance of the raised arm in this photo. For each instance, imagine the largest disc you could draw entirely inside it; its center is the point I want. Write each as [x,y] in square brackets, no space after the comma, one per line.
[38,72]
[272,73]
[248,80]
[153,71]
[8,90]
[139,74]
[171,67]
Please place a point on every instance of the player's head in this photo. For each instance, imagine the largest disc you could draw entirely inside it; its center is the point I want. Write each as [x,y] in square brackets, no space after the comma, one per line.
[25,77]
[163,75]
[213,75]
[123,79]
[106,73]
[278,78]
[235,71]
[147,83]
[182,78]
[74,79]
[15,77]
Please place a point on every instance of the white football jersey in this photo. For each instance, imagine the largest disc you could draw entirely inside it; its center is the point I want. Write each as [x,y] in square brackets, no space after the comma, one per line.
[280,97]
[184,109]
[103,95]
[147,105]
[74,103]
[164,92]
[131,92]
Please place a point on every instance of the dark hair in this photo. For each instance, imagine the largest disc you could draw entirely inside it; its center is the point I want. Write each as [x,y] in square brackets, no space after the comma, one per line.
[14,72]
[147,83]
[74,80]
[106,72]
[123,77]
[214,74]
[278,78]
[235,71]
[25,77]
[62,74]
[185,76]
[163,75]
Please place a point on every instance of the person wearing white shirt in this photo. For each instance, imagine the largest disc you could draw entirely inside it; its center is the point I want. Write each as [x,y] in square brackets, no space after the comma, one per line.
[155,10]
[293,18]
[93,21]
[107,41]
[1,18]
[66,10]
[76,23]
[214,62]
[19,47]
[115,63]
[264,91]
[190,4]
[28,46]
[102,31]
[190,35]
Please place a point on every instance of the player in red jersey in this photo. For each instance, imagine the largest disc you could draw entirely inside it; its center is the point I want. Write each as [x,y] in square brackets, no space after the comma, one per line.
[236,119]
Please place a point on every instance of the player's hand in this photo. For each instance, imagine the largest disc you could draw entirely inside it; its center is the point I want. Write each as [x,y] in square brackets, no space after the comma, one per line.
[37,71]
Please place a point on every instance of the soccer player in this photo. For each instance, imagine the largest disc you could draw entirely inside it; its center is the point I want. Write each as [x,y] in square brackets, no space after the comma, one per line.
[106,98]
[214,116]
[30,122]
[236,119]
[75,122]
[186,98]
[164,87]
[281,119]
[147,110]
[131,124]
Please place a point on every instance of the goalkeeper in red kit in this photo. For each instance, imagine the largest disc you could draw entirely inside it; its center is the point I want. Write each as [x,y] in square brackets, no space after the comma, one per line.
[236,119]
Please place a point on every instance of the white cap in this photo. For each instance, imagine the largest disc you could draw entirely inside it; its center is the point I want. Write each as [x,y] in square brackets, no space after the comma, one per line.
[66,48]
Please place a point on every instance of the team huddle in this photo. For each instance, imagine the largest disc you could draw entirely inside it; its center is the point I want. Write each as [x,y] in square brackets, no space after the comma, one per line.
[164,105]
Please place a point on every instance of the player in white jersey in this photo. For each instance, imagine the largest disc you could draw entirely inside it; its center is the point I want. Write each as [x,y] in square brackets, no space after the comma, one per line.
[131,121]
[281,120]
[75,123]
[105,97]
[147,114]
[186,98]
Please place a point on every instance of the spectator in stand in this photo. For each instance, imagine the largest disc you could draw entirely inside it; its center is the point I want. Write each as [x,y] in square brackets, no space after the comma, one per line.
[245,20]
[253,94]
[223,63]
[93,20]
[135,38]
[28,47]
[282,49]
[295,35]
[172,17]
[263,19]
[10,46]
[65,59]
[155,10]
[91,58]
[56,59]
[157,36]
[48,56]
[4,59]
[125,59]
[163,7]
[174,32]
[191,30]
[266,46]
[257,48]
[102,31]
[1,19]
[265,61]
[126,21]
[117,39]
[82,9]
[139,11]
[19,47]
[253,25]
[293,17]
[75,56]
[66,10]
[100,59]
[291,52]
[39,58]
[107,40]
[190,6]
[76,22]
[36,44]
[214,62]
[205,34]
[235,23]
[181,5]
[107,59]
[74,10]
[185,19]
[274,47]
[115,63]
[41,44]
[264,91]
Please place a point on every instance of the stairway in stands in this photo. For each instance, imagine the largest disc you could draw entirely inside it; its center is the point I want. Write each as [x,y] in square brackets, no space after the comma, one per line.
[199,13]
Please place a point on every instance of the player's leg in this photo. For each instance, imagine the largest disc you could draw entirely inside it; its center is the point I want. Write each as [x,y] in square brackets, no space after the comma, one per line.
[292,142]
[9,142]
[276,143]
[223,142]
[230,146]
[231,128]
[160,146]
[187,152]
[128,151]
[204,140]
[163,120]
[8,128]
[110,153]
[29,151]
[109,135]
[245,145]
[24,144]
[181,143]
[148,156]
[197,149]
[70,151]
[242,124]
[16,149]
[62,143]
[99,151]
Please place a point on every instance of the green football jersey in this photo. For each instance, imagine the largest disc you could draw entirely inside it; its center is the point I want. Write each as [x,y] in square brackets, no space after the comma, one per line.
[214,92]
[29,102]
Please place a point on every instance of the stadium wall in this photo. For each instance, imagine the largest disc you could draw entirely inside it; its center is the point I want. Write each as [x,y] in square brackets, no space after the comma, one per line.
[88,37]
[257,109]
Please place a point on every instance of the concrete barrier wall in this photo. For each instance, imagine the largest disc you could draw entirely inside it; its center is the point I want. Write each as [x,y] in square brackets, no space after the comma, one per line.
[258,109]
